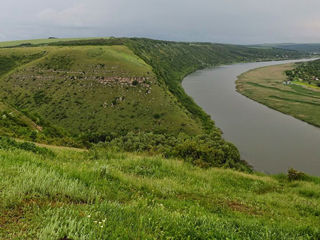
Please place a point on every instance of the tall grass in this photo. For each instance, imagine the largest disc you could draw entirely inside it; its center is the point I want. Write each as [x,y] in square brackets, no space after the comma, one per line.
[115,195]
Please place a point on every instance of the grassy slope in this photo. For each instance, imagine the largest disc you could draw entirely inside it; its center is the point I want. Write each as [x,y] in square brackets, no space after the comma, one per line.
[13,122]
[265,85]
[76,79]
[64,87]
[106,195]
[38,41]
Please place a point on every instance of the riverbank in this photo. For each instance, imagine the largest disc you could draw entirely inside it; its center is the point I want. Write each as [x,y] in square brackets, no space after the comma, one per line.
[268,140]
[266,85]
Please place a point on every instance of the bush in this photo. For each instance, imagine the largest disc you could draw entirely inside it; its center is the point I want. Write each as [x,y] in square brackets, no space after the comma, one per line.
[294,175]
[208,150]
[7,143]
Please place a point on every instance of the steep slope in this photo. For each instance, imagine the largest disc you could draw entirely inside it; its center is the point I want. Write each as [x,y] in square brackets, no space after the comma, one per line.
[17,123]
[14,123]
[95,90]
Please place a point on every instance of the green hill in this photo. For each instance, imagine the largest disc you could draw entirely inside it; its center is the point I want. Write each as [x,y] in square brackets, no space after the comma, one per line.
[313,48]
[94,89]
[121,90]
[106,87]
[79,195]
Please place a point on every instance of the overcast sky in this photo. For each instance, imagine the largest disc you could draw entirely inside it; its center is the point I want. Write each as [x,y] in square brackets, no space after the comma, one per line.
[228,21]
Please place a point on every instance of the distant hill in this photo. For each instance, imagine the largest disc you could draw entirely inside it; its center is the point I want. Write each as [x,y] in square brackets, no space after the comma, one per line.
[313,48]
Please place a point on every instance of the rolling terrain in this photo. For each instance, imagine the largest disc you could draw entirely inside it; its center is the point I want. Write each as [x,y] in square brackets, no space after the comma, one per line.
[149,169]
[109,87]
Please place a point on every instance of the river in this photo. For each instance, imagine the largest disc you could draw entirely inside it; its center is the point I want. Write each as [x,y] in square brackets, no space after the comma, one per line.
[270,141]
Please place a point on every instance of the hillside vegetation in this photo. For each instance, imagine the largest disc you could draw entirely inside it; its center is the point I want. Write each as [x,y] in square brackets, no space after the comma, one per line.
[313,48]
[66,194]
[270,86]
[120,90]
[150,168]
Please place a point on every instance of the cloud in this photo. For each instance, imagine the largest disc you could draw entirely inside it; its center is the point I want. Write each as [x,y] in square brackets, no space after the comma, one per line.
[232,21]
[70,17]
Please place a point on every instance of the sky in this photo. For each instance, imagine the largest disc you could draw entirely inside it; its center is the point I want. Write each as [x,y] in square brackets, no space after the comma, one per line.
[224,21]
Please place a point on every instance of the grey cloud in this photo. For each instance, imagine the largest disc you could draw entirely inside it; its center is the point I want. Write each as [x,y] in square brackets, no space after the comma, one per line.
[232,21]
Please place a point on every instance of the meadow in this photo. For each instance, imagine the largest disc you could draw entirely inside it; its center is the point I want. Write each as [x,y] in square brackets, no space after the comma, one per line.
[104,194]
[266,85]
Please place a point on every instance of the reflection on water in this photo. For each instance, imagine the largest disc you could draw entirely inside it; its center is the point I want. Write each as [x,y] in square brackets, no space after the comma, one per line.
[270,141]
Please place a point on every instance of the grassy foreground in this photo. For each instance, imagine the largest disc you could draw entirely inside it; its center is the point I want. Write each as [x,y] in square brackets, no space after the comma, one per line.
[265,85]
[67,194]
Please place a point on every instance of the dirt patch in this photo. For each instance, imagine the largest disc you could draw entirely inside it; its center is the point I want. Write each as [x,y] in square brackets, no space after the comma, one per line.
[240,207]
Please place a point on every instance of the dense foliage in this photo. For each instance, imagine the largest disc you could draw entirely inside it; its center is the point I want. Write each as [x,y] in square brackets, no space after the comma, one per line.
[10,144]
[208,150]
[308,72]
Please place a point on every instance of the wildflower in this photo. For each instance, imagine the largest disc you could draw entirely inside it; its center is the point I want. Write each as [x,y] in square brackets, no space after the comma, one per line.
[89,216]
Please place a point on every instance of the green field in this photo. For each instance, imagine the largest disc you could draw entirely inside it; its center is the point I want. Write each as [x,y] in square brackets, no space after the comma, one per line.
[265,85]
[103,194]
[93,89]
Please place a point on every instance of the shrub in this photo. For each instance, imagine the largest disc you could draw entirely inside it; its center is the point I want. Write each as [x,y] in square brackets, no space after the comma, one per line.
[208,150]
[7,143]
[294,175]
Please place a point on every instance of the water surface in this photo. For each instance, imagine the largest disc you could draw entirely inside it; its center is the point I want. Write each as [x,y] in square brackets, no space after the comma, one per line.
[270,141]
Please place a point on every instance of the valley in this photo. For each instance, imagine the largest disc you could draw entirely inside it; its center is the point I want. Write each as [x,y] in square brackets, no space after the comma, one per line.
[137,158]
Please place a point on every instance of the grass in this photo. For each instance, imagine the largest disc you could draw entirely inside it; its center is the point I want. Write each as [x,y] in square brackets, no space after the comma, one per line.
[103,194]
[304,84]
[106,87]
[39,41]
[92,90]
[265,85]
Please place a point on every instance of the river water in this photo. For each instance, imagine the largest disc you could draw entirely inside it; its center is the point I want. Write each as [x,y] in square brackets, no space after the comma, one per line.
[270,141]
